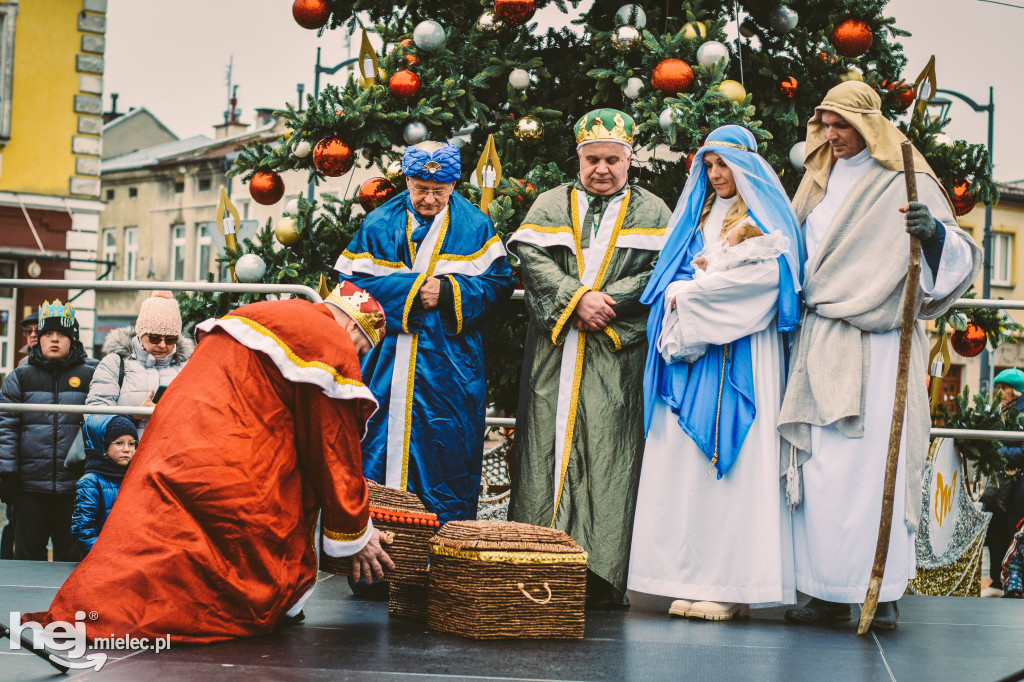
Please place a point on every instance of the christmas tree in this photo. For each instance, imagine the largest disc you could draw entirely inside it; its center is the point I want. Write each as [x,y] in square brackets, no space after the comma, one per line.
[469,70]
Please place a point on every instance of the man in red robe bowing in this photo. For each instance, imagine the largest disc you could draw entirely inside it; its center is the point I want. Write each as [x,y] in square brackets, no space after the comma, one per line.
[212,535]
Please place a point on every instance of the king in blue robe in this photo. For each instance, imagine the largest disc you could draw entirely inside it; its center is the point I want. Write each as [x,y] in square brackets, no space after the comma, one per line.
[436,265]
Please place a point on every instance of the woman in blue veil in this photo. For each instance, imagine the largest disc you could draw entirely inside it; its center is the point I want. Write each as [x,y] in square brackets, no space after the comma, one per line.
[712,525]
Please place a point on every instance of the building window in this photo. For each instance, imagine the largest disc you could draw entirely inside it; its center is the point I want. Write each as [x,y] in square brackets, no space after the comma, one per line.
[108,250]
[1002,259]
[204,250]
[110,195]
[8,14]
[205,184]
[178,252]
[179,187]
[133,192]
[131,253]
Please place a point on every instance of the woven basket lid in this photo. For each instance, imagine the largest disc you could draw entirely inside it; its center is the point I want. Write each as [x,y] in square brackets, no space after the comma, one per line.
[382,497]
[504,535]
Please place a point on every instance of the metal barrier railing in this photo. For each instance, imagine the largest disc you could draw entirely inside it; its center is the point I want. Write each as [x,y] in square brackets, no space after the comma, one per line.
[312,295]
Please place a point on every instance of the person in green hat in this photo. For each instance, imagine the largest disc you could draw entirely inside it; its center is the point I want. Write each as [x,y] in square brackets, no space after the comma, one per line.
[587,249]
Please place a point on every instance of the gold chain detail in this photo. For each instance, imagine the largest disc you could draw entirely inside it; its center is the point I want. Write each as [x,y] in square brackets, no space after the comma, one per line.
[718,412]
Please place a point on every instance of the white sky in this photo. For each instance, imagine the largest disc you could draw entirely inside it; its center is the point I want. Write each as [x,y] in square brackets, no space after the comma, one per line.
[171,58]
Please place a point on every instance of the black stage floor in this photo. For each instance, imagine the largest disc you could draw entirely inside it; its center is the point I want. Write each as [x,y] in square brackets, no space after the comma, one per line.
[939,638]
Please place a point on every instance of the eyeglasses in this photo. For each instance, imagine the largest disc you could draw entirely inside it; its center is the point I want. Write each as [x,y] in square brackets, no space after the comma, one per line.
[30,331]
[126,443]
[436,193]
[157,339]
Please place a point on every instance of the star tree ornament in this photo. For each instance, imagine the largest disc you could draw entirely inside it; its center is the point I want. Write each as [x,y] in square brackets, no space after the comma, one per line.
[711,53]
[783,19]
[529,130]
[375,192]
[625,38]
[672,76]
[250,268]
[428,35]
[311,14]
[519,79]
[404,84]
[515,12]
[631,15]
[852,38]
[414,132]
[333,157]
[633,87]
[266,187]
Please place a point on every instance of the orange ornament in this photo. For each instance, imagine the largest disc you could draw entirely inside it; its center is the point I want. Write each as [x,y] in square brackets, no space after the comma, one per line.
[375,192]
[311,14]
[672,76]
[333,156]
[963,201]
[689,160]
[515,12]
[852,38]
[266,187]
[903,93]
[412,59]
[404,84]
[787,88]
[969,341]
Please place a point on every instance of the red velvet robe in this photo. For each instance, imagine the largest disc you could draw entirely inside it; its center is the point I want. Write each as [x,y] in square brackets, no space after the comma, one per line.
[212,534]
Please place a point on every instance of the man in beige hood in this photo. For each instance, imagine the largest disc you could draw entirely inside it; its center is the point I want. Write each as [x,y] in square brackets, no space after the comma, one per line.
[837,410]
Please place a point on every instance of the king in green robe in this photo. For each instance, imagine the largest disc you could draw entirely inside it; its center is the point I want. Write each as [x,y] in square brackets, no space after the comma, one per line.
[587,250]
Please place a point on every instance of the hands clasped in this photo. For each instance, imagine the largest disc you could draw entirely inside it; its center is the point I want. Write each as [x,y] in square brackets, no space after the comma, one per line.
[430,293]
[593,312]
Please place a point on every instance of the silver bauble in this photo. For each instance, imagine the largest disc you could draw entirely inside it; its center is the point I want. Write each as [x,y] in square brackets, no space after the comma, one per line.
[624,17]
[625,38]
[667,118]
[302,149]
[783,19]
[519,78]
[428,35]
[489,22]
[414,132]
[250,268]
[633,87]
[796,155]
[711,53]
[292,207]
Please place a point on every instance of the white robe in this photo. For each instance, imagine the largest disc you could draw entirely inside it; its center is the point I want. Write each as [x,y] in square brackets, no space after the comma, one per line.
[696,536]
[835,529]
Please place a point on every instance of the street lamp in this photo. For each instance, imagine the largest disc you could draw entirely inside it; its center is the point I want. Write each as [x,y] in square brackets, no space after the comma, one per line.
[986,273]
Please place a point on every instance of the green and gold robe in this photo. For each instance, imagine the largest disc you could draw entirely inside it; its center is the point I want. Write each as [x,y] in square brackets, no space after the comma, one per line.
[579,434]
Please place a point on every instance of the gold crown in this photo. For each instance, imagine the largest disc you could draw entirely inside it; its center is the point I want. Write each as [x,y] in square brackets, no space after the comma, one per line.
[371,320]
[598,131]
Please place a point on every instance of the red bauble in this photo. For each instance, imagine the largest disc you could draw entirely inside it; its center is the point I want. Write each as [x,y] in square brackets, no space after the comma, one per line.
[375,192]
[903,93]
[266,187]
[411,58]
[852,38]
[311,14]
[787,88]
[672,76]
[689,160]
[333,156]
[404,84]
[963,201]
[970,341]
[515,12]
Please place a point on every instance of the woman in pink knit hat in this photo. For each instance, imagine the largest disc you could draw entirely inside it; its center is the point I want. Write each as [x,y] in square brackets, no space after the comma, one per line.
[138,360]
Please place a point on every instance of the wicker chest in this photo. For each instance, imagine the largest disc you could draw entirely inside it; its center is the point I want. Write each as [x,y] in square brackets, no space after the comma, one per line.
[506,580]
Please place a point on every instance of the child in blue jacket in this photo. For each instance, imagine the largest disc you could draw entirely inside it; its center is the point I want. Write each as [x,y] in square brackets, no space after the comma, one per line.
[1013,566]
[110,443]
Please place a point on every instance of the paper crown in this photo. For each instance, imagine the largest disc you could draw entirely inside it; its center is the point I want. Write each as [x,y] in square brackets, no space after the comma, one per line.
[361,307]
[605,125]
[57,317]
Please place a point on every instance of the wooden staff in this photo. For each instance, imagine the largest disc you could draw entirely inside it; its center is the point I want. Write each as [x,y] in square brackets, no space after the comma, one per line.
[899,406]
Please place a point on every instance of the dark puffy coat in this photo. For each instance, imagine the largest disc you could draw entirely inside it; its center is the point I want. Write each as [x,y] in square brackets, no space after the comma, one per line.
[97,489]
[33,445]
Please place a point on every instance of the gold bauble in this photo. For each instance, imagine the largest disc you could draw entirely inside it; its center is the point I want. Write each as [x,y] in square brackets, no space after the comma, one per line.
[690,31]
[851,75]
[529,130]
[394,172]
[286,231]
[734,90]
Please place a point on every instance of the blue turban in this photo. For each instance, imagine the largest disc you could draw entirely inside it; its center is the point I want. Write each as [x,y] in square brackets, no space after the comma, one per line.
[442,165]
[691,390]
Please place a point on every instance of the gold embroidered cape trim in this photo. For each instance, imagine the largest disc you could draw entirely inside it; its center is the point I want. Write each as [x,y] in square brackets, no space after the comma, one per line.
[457,293]
[344,537]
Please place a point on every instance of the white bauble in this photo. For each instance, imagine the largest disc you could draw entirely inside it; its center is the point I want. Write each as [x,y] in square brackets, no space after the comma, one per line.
[796,155]
[944,140]
[292,207]
[711,53]
[633,87]
[415,132]
[250,268]
[302,149]
[622,17]
[428,35]
[519,78]
[783,19]
[668,116]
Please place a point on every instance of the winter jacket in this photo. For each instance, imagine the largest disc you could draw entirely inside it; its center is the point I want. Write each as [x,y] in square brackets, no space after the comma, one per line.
[98,487]
[1013,568]
[143,373]
[33,445]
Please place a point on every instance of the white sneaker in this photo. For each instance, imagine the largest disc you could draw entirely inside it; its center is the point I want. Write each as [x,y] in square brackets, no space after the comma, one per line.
[991,592]
[680,607]
[713,610]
